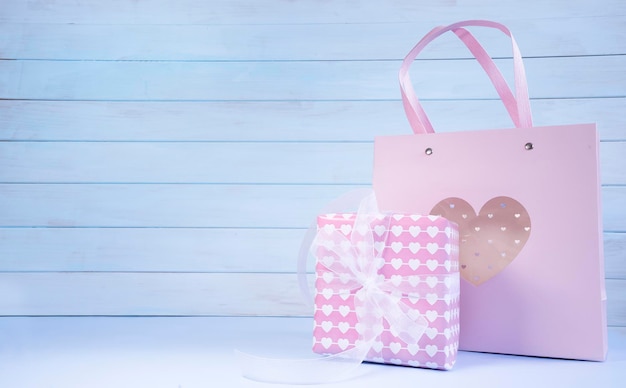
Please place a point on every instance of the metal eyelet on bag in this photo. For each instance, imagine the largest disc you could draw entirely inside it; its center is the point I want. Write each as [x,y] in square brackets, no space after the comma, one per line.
[428,151]
[529,146]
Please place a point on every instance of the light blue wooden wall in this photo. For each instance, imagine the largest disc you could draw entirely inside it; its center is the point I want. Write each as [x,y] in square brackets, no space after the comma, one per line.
[165,157]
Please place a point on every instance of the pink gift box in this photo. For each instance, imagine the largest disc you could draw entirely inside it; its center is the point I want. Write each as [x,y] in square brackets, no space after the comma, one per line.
[421,250]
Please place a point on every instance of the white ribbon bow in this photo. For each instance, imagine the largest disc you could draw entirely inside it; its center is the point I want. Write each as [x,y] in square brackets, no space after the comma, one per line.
[356,262]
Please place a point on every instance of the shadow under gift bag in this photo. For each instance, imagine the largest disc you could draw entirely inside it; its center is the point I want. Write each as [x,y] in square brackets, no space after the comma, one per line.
[527,202]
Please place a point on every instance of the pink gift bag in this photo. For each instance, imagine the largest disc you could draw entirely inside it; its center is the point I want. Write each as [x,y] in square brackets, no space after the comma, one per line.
[527,202]
[371,272]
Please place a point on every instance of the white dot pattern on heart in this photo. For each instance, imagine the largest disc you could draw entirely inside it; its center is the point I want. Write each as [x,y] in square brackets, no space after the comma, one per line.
[491,239]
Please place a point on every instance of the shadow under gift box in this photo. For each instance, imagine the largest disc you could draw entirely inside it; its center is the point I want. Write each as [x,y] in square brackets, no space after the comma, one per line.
[419,250]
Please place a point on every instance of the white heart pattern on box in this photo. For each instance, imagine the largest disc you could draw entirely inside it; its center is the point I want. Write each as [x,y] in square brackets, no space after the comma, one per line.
[421,249]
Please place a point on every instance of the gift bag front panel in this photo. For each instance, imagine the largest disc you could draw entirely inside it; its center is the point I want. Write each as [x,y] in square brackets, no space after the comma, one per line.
[547,298]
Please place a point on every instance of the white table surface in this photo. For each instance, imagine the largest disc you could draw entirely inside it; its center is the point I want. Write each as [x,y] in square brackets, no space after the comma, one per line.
[199,352]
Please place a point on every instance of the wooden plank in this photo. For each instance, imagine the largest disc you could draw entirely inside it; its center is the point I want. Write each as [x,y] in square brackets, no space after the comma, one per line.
[537,37]
[150,294]
[297,12]
[299,120]
[326,163]
[215,162]
[614,208]
[149,250]
[600,111]
[616,302]
[352,80]
[613,168]
[186,205]
[181,250]
[194,205]
[208,121]
[615,255]
[179,294]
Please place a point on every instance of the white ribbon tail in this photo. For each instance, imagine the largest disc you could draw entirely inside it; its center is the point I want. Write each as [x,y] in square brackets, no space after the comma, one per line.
[325,369]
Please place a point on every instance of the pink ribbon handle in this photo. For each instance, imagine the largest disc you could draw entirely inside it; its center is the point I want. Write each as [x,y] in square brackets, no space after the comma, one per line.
[518,106]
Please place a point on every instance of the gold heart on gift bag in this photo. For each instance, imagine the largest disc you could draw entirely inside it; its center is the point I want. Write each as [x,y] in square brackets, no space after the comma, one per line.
[489,240]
